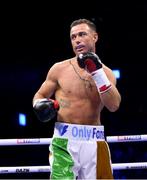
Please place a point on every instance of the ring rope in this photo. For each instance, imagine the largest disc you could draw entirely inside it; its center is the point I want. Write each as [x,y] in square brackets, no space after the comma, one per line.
[38,169]
[126,138]
[29,141]
[47,141]
[43,141]
[24,169]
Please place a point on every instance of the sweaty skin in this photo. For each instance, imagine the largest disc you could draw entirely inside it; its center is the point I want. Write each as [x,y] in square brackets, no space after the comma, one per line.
[74,88]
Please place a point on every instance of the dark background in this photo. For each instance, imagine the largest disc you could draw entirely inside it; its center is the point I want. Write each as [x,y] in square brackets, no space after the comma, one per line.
[33,36]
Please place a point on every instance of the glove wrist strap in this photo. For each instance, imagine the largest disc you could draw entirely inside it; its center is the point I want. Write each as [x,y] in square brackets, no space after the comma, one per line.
[102,82]
[38,100]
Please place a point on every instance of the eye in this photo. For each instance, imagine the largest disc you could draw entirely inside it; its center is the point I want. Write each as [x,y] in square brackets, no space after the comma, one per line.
[73,37]
[82,34]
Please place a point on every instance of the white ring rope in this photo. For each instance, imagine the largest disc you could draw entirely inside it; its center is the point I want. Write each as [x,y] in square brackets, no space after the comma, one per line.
[134,165]
[43,141]
[30,141]
[47,141]
[24,169]
[38,169]
[126,138]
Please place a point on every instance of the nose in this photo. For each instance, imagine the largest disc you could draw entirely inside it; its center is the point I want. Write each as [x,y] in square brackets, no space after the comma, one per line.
[77,40]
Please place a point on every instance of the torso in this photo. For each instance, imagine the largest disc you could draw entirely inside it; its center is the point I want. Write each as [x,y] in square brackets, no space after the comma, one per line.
[78,98]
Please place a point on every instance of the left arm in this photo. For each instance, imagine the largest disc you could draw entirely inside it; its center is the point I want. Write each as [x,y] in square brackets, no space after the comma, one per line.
[111,98]
[104,79]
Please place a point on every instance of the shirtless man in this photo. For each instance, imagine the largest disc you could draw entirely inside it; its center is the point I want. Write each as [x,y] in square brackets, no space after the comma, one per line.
[82,86]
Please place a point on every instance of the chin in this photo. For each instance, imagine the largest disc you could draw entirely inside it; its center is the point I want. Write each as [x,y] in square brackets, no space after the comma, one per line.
[81,52]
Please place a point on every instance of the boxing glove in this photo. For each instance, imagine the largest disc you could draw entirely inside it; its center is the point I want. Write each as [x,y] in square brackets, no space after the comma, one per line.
[91,62]
[45,109]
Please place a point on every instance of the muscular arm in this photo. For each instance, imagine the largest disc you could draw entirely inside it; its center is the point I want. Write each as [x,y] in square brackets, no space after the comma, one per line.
[49,86]
[111,99]
[104,79]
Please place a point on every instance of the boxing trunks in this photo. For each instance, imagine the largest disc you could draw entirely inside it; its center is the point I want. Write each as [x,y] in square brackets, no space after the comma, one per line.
[79,152]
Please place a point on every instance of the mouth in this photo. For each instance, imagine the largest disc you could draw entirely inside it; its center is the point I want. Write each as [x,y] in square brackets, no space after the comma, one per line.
[79,48]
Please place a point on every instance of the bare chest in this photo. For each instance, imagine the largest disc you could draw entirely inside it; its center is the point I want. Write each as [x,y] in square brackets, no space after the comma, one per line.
[77,82]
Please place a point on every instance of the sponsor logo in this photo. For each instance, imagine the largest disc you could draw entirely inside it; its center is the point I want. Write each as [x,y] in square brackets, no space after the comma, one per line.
[22,170]
[87,133]
[129,138]
[136,167]
[63,129]
[28,141]
[80,132]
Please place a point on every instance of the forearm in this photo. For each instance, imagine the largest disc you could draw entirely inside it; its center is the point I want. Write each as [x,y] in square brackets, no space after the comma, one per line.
[46,90]
[42,94]
[104,79]
[38,96]
[111,99]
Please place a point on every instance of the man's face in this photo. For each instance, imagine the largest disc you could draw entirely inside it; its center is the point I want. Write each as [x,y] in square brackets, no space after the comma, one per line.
[83,38]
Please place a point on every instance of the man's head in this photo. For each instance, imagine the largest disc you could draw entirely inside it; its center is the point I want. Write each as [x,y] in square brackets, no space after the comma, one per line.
[83,36]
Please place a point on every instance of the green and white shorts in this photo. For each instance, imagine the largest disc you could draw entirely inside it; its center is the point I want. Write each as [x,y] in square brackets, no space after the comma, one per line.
[79,152]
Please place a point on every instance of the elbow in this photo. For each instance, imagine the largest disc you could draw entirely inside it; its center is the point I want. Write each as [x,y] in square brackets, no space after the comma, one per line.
[114,106]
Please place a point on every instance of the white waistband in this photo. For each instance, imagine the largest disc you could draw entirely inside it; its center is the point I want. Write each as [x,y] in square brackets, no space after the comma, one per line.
[79,132]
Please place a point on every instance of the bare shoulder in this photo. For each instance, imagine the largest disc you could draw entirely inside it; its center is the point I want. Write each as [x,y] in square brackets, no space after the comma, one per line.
[109,73]
[63,64]
[106,68]
[58,68]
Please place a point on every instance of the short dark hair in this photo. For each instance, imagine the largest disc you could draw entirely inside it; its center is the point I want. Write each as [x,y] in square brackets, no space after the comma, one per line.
[85,21]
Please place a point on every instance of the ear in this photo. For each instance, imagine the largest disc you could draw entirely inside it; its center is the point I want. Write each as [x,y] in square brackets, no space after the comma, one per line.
[95,37]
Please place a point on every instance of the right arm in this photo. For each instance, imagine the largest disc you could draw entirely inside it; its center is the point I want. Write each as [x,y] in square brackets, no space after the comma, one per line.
[49,86]
[44,107]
